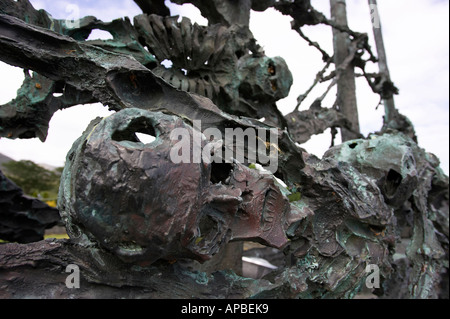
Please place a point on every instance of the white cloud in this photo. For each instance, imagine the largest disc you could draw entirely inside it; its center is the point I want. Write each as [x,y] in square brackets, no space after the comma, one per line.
[187,10]
[105,10]
[11,79]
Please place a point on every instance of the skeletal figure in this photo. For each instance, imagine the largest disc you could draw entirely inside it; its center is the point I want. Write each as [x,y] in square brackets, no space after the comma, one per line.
[133,200]
[222,63]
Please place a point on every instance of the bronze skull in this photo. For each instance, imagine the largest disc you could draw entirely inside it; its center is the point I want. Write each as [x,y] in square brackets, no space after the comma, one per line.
[132,200]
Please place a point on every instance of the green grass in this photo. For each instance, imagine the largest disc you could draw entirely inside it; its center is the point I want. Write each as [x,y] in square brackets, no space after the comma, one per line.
[57,236]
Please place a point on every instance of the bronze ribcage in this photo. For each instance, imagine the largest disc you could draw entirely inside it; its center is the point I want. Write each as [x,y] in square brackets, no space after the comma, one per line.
[201,56]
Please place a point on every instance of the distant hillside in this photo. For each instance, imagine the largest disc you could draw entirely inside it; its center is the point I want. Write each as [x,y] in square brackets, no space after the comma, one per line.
[4,159]
[35,180]
[47,166]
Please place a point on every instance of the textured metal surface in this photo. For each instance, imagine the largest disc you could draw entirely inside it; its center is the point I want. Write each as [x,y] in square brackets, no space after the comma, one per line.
[132,199]
[139,222]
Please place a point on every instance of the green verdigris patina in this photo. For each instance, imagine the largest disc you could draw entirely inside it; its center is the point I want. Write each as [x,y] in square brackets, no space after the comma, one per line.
[415,187]
[140,224]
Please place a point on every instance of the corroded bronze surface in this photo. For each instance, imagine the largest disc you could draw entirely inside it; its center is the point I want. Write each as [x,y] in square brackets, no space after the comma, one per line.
[134,200]
[139,221]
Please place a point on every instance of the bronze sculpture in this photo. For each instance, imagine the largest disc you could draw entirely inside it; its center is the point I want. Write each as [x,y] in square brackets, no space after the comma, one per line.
[133,214]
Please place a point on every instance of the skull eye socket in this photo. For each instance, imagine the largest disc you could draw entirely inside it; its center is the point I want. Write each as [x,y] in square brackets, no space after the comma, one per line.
[393,181]
[212,231]
[207,225]
[272,72]
[272,69]
[140,130]
[220,172]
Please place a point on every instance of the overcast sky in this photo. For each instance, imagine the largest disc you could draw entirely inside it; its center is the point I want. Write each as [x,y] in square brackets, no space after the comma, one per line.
[416,39]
